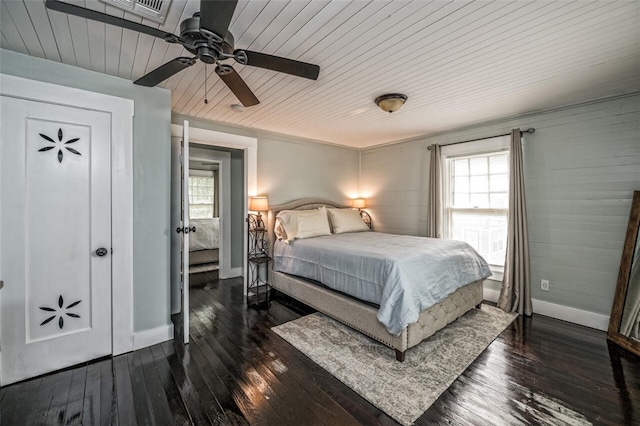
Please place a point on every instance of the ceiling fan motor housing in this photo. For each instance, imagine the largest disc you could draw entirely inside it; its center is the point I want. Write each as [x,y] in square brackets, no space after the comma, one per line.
[194,38]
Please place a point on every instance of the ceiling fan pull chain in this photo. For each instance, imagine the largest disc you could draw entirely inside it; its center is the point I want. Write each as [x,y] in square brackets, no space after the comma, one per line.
[205,84]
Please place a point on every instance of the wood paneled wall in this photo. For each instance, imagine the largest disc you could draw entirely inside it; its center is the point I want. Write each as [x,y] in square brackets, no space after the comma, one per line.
[581,167]
[290,169]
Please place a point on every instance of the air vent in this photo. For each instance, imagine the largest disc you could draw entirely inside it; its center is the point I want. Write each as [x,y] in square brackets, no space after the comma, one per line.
[156,10]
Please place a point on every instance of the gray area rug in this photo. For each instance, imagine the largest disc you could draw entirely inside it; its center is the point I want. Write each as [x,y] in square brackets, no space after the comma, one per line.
[403,390]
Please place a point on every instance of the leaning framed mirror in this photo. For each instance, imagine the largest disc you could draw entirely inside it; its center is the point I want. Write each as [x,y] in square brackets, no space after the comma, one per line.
[624,324]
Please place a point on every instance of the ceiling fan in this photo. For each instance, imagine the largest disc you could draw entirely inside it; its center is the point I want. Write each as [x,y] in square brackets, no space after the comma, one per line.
[206,35]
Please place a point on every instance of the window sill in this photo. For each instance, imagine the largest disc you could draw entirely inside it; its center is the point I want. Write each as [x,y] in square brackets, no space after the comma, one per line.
[497,275]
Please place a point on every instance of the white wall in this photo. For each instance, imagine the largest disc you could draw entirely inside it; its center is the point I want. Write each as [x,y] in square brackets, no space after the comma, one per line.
[290,168]
[394,183]
[581,167]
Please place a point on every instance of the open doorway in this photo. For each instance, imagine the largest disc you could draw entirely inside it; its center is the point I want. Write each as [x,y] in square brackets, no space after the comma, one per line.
[209,208]
[204,161]
[204,217]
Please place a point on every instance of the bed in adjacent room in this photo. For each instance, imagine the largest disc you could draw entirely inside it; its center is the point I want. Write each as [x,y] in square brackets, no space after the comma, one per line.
[204,243]
[396,289]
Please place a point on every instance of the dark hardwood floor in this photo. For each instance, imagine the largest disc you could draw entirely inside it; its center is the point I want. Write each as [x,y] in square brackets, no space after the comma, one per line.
[236,371]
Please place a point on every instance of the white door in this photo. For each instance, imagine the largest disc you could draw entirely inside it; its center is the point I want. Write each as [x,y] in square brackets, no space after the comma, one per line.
[181,228]
[186,230]
[56,237]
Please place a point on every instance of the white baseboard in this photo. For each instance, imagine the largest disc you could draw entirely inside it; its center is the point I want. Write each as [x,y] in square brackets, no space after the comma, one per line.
[152,337]
[565,313]
[233,272]
[491,295]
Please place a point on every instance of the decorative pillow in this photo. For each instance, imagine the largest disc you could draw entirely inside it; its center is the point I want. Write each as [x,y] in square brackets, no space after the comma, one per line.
[304,223]
[346,220]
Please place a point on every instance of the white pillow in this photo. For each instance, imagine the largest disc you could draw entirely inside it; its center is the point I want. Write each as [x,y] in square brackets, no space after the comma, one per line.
[346,220]
[304,223]
[313,226]
[288,216]
[279,230]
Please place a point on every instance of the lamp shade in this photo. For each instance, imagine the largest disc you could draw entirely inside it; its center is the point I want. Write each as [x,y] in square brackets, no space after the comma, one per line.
[259,204]
[358,203]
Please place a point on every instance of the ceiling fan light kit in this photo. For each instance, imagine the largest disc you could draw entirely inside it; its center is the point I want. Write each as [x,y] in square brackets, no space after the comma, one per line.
[205,35]
[391,102]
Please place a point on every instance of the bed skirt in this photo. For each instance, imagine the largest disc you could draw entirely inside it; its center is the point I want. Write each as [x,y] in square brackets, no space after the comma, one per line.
[198,257]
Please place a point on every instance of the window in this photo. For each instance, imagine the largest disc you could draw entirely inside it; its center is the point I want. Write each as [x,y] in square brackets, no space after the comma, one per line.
[476,202]
[201,197]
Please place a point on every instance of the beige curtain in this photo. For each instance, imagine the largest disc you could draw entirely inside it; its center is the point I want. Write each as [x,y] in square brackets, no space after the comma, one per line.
[515,295]
[434,212]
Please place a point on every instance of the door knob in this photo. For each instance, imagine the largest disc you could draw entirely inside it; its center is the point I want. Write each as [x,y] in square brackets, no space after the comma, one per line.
[186,229]
[101,251]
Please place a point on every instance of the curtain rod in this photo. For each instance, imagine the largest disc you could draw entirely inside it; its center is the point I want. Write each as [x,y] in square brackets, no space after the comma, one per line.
[529,130]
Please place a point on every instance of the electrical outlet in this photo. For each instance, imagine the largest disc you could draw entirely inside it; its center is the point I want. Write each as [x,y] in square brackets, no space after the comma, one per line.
[544,285]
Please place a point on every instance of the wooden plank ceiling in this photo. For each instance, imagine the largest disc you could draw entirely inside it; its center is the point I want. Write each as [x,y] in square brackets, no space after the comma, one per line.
[459,62]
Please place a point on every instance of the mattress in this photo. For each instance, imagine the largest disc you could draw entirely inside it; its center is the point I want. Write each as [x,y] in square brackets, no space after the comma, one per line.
[207,235]
[403,274]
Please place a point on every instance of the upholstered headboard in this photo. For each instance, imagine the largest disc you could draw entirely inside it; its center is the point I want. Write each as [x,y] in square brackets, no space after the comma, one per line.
[305,204]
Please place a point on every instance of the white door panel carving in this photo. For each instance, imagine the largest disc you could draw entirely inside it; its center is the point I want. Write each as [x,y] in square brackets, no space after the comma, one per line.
[56,197]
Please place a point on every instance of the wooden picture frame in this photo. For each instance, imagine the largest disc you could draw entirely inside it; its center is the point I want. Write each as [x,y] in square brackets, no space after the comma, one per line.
[624,278]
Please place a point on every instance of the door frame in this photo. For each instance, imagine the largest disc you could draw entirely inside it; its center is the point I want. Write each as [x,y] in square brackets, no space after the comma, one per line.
[121,111]
[228,140]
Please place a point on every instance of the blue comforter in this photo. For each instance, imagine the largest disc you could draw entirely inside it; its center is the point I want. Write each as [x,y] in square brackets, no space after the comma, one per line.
[403,274]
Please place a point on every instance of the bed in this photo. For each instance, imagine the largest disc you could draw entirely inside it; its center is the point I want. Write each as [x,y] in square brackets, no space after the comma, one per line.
[204,244]
[387,313]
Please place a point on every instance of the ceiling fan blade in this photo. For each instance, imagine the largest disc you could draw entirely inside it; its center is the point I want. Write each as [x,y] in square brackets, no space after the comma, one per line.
[237,85]
[165,71]
[215,17]
[277,63]
[72,9]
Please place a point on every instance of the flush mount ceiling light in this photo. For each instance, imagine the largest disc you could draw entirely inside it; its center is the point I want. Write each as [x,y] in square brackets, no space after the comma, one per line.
[391,102]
